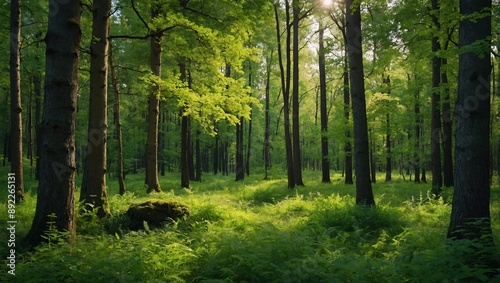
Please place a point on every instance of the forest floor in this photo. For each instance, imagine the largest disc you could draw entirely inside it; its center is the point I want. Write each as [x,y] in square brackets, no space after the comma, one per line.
[259,231]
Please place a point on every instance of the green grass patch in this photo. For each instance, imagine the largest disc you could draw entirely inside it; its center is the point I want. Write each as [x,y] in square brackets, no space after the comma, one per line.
[260,231]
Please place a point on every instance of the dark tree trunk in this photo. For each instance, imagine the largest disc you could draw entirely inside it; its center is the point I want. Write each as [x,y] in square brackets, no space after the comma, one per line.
[267,161]
[215,160]
[249,140]
[325,163]
[437,178]
[16,123]
[192,176]
[240,171]
[364,193]
[347,147]
[388,158]
[198,157]
[37,87]
[118,124]
[93,190]
[447,131]
[470,215]
[185,152]
[185,140]
[373,160]
[285,87]
[418,134]
[55,198]
[297,155]
[29,127]
[152,182]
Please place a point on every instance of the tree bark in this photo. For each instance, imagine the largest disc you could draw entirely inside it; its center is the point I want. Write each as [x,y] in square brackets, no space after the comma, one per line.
[447,131]
[267,161]
[437,178]
[185,140]
[347,147]
[93,190]
[364,193]
[55,199]
[117,120]
[37,88]
[249,140]
[418,134]
[285,87]
[325,163]
[152,182]
[470,215]
[297,156]
[388,158]
[240,171]
[216,156]
[16,123]
[198,157]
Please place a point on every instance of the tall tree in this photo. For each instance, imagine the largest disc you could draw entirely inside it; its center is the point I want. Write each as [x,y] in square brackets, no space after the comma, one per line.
[152,182]
[388,162]
[16,124]
[55,199]
[447,129]
[297,156]
[185,140]
[93,192]
[470,215]
[340,22]
[437,178]
[364,193]
[267,142]
[117,121]
[285,72]
[325,163]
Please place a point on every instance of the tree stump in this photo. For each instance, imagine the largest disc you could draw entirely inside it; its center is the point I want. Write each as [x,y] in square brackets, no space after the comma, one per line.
[155,213]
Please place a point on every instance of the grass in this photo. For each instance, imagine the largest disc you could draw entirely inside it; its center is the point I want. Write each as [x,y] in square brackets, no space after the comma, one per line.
[260,231]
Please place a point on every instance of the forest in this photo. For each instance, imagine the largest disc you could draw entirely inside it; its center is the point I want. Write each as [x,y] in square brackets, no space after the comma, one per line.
[250,141]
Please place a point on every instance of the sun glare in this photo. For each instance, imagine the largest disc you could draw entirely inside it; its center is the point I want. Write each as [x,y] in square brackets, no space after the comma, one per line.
[327,3]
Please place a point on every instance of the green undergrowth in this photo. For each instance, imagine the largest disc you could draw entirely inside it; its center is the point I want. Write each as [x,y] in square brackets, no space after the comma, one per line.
[260,231]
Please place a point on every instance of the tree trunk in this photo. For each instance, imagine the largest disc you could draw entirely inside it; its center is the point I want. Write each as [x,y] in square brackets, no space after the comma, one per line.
[325,163]
[285,86]
[388,158]
[364,193]
[152,182]
[373,160]
[418,134]
[249,140]
[347,147]
[16,124]
[93,190]
[267,161]
[297,156]
[55,198]
[185,143]
[216,156]
[29,126]
[37,87]
[118,124]
[198,157]
[470,215]
[240,171]
[185,152]
[437,178]
[447,131]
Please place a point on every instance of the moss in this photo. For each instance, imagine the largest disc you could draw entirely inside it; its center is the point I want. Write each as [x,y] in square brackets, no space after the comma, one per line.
[155,213]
